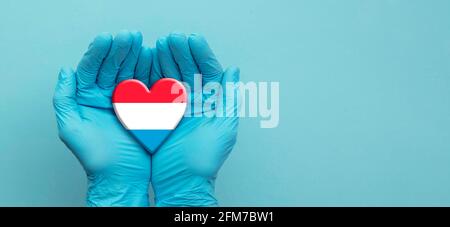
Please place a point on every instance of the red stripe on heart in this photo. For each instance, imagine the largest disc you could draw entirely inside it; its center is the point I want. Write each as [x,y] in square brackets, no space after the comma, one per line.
[165,90]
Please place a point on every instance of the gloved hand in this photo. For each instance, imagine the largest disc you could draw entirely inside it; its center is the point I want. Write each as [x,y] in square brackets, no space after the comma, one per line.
[184,168]
[117,167]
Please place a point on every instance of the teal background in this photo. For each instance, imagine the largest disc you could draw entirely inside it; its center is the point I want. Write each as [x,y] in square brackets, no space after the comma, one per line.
[365,86]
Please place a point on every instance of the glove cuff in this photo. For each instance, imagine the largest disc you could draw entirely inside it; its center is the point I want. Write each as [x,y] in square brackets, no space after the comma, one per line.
[105,192]
[188,199]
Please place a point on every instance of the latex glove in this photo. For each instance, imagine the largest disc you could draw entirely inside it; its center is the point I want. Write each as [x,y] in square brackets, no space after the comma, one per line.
[117,167]
[184,168]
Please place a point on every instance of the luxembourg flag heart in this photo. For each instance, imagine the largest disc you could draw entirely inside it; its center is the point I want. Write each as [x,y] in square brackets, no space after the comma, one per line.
[150,115]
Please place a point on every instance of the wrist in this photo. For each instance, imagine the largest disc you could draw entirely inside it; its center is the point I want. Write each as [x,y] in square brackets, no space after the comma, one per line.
[109,192]
[186,194]
[188,200]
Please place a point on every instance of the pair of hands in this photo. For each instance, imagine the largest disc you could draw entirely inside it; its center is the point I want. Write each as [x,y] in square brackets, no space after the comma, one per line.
[119,170]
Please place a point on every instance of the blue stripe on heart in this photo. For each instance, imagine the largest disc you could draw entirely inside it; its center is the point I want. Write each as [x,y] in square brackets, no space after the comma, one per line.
[151,139]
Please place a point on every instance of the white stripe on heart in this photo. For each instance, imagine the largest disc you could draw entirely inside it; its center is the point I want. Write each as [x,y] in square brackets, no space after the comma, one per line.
[150,116]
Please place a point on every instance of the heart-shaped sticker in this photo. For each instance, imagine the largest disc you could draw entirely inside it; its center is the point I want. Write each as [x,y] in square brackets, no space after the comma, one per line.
[150,115]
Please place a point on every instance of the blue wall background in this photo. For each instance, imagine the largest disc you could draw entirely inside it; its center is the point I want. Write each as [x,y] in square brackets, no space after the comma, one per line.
[365,87]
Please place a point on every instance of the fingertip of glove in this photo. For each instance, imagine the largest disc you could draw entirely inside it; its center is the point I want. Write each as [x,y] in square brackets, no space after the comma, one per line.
[233,73]
[198,43]
[103,39]
[162,44]
[137,35]
[65,72]
[124,37]
[195,37]
[146,50]
[146,53]
[161,41]
[177,35]
[235,69]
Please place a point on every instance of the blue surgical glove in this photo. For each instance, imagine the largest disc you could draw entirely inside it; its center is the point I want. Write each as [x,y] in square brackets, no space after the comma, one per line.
[185,167]
[117,167]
